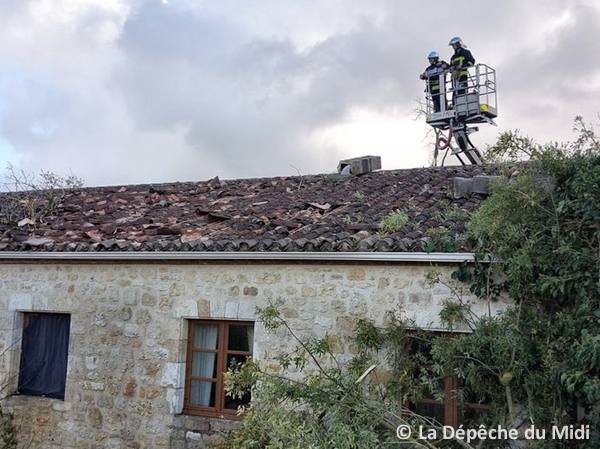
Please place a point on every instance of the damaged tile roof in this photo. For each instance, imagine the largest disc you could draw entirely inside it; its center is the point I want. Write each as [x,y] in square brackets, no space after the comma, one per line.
[299,213]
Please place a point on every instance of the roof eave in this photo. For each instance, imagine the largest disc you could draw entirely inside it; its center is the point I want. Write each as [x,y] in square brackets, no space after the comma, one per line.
[167,256]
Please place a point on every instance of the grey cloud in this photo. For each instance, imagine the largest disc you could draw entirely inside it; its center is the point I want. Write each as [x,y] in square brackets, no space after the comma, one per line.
[260,98]
[569,50]
[188,92]
[546,84]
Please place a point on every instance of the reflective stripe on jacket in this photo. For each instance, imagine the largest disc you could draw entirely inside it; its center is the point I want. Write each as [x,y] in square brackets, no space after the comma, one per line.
[462,58]
[433,72]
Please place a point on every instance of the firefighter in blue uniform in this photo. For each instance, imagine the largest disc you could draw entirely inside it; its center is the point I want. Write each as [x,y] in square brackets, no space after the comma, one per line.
[461,59]
[435,75]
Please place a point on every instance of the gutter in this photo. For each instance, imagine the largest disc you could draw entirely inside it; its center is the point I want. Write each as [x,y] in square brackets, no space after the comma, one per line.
[166,256]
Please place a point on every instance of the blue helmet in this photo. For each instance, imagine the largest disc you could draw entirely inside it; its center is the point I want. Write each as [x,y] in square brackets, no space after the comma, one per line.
[433,55]
[455,40]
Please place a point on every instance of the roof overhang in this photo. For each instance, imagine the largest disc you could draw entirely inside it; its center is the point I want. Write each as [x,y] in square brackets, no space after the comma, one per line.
[168,256]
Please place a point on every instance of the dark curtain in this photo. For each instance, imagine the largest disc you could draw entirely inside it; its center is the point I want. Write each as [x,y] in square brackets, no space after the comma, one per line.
[45,345]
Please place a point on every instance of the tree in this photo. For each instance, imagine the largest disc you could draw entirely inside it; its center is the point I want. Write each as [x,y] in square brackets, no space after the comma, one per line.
[543,229]
[538,362]
[32,197]
[307,399]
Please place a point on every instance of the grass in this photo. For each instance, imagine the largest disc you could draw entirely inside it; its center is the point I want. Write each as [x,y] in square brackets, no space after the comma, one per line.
[394,221]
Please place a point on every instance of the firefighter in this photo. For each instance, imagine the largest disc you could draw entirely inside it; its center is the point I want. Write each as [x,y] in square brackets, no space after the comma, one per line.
[435,76]
[461,59]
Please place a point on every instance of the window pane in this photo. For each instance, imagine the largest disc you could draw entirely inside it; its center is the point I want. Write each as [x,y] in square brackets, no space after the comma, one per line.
[419,345]
[468,395]
[232,403]
[438,383]
[234,360]
[204,364]
[420,350]
[435,411]
[202,393]
[206,336]
[241,338]
[470,417]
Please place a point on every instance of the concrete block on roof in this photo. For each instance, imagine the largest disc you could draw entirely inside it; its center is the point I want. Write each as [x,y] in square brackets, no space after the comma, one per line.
[463,187]
[481,183]
[544,182]
[359,165]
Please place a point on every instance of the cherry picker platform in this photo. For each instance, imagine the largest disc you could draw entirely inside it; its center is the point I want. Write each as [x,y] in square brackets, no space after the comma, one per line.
[462,104]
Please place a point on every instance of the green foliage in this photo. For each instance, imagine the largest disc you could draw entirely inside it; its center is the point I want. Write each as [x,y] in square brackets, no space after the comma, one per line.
[354,218]
[538,362]
[542,227]
[455,213]
[452,213]
[440,240]
[7,431]
[451,314]
[394,221]
[307,399]
[359,196]
[512,146]
[368,336]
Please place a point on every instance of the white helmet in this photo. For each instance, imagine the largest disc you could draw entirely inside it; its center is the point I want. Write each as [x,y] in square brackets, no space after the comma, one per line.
[456,40]
[433,55]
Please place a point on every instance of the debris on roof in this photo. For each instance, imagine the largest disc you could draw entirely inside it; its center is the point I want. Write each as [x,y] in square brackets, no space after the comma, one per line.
[298,213]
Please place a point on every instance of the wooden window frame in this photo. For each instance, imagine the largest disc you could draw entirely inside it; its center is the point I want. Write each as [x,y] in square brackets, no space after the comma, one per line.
[222,352]
[451,403]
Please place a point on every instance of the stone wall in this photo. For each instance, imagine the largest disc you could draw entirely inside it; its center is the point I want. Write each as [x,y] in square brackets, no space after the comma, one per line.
[126,363]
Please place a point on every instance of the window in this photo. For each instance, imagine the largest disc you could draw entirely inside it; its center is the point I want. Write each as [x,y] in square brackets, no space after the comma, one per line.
[450,412]
[44,350]
[214,347]
[447,411]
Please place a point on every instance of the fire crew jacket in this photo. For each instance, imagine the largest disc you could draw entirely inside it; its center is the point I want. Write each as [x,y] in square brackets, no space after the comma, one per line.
[462,58]
[433,72]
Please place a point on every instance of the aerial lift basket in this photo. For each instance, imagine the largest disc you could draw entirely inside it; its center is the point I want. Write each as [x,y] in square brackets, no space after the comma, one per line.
[463,104]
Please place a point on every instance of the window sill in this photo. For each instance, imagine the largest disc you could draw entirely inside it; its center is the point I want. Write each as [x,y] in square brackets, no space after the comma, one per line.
[58,405]
[213,414]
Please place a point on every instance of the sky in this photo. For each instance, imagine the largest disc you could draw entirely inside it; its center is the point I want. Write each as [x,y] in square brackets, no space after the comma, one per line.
[148,91]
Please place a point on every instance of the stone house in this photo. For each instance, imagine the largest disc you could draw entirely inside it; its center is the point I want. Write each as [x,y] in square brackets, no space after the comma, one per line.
[120,310]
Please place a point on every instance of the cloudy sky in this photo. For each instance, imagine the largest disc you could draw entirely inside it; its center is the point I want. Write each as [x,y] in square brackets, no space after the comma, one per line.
[131,91]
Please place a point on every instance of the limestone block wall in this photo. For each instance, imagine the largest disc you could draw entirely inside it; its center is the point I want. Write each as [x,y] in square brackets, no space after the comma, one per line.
[126,362]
